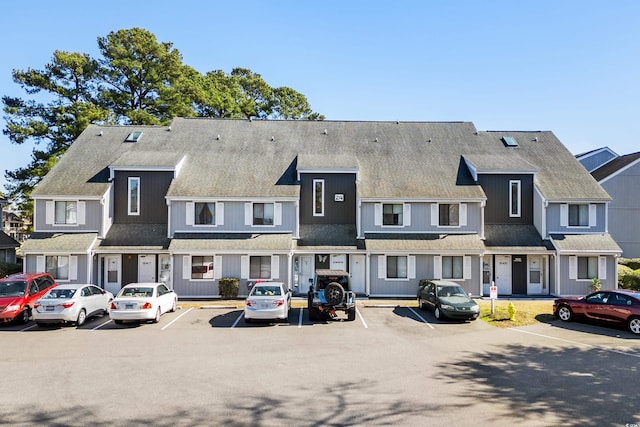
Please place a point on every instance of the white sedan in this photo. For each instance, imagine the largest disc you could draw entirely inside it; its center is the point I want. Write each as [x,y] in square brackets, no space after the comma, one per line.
[268,301]
[72,303]
[142,301]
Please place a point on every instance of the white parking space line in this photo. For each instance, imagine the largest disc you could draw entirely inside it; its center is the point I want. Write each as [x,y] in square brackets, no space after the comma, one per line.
[237,320]
[300,318]
[174,320]
[101,325]
[28,328]
[361,319]
[421,318]
[576,343]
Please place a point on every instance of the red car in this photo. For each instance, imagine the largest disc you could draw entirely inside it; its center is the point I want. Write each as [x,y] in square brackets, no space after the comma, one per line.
[19,292]
[614,306]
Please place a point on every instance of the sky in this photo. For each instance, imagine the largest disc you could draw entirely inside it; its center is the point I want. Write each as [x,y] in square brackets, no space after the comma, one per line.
[568,66]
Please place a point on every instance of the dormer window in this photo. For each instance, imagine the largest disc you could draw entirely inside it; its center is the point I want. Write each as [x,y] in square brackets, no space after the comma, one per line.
[392,214]
[579,215]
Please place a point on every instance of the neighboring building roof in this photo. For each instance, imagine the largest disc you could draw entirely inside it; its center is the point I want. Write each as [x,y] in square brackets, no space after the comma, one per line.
[615,166]
[64,242]
[577,243]
[513,238]
[441,243]
[7,241]
[230,242]
[243,158]
[134,237]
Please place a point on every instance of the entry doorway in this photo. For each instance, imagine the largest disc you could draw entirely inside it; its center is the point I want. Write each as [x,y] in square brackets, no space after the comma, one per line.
[357,272]
[146,268]
[303,266]
[503,274]
[112,274]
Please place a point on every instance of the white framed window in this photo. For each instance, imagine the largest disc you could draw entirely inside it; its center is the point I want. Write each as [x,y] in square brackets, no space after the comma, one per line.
[133,199]
[449,214]
[587,267]
[259,214]
[66,212]
[392,213]
[202,267]
[396,267]
[204,213]
[515,198]
[456,267]
[318,197]
[578,215]
[260,267]
[57,266]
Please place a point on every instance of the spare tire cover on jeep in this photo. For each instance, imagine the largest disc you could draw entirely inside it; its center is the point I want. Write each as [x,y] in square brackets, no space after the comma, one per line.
[334,293]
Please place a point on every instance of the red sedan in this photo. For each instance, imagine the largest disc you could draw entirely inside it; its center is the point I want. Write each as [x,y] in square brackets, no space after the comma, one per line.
[613,306]
[19,293]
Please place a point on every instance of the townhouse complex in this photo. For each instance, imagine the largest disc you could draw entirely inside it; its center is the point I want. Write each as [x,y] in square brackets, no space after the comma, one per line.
[389,202]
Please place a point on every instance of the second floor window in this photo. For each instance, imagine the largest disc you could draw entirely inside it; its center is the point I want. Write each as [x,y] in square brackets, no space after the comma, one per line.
[449,214]
[204,214]
[318,197]
[263,214]
[579,215]
[66,212]
[514,198]
[133,191]
[392,214]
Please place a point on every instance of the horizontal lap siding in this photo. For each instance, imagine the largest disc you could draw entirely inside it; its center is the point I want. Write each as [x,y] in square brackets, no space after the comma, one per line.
[420,220]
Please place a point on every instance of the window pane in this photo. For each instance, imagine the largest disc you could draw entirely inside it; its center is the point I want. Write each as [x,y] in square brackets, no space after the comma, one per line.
[57,266]
[268,213]
[205,213]
[449,214]
[61,213]
[397,267]
[578,215]
[70,216]
[134,203]
[452,267]
[260,267]
[457,267]
[587,267]
[202,267]
[515,198]
[318,195]
[392,214]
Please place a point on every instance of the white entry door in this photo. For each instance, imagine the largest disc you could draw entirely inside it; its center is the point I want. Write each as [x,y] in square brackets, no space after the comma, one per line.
[111,272]
[503,274]
[357,272]
[146,268]
[305,272]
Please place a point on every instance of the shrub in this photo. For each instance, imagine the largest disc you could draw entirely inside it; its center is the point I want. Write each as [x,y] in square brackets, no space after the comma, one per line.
[228,287]
[632,263]
[628,278]
[7,268]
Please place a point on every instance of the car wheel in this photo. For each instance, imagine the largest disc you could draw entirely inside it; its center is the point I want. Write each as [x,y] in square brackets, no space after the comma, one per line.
[157,318]
[118,322]
[24,316]
[313,313]
[334,293]
[173,306]
[351,314]
[564,313]
[634,325]
[437,313]
[82,316]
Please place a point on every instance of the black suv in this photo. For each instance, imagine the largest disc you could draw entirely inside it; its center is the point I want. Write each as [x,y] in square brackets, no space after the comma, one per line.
[331,292]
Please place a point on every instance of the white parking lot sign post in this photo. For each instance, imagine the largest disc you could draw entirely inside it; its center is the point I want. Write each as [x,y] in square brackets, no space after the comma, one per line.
[493,294]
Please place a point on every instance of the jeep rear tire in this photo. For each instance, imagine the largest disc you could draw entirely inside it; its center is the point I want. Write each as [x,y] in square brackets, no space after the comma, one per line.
[334,293]
[351,314]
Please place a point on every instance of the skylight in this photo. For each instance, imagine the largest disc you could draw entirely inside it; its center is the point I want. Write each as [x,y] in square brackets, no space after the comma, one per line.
[509,141]
[133,137]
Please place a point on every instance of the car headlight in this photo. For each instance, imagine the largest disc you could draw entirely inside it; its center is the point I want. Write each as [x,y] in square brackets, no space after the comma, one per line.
[13,307]
[475,309]
[447,307]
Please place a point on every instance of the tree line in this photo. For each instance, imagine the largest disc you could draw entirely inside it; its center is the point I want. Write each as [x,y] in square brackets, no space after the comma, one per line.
[136,80]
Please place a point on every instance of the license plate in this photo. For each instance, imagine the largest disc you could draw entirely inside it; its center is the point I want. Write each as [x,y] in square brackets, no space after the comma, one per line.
[264,305]
[128,306]
[49,308]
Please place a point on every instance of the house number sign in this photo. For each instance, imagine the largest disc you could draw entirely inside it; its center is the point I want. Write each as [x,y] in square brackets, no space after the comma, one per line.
[338,197]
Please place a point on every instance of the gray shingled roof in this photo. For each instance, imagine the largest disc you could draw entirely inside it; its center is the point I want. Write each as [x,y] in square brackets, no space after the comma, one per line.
[242,158]
[7,241]
[65,242]
[614,166]
[585,243]
[328,236]
[512,238]
[441,243]
[235,242]
[123,237]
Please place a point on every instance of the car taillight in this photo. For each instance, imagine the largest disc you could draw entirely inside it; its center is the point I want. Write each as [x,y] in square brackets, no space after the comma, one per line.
[112,306]
[278,302]
[249,302]
[36,305]
[67,304]
[146,305]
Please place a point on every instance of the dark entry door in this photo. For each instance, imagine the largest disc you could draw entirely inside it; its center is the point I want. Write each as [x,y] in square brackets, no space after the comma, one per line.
[519,274]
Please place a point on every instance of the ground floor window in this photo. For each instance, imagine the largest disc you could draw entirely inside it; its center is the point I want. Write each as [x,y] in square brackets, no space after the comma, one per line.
[58,266]
[260,267]
[202,267]
[452,267]
[587,267]
[397,267]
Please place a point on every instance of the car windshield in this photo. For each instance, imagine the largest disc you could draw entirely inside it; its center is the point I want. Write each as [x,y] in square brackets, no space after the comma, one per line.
[136,292]
[450,291]
[12,289]
[261,291]
[60,294]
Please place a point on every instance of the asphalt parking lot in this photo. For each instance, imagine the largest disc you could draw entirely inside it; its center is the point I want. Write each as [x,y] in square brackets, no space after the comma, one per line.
[393,365]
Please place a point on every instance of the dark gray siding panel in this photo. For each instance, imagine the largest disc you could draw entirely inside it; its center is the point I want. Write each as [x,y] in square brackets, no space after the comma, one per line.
[153,188]
[496,187]
[335,212]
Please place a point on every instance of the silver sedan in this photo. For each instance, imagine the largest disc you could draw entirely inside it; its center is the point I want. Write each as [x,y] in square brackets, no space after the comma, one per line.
[268,301]
[72,303]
